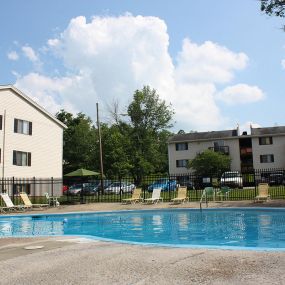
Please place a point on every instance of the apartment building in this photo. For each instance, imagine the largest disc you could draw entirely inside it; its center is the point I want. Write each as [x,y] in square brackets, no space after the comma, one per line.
[31,139]
[263,148]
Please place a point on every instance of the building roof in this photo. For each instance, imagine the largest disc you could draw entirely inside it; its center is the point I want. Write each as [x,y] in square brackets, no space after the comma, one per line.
[203,136]
[33,103]
[268,131]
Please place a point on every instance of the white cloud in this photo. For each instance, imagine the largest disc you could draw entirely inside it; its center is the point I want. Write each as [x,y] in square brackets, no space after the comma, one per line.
[46,91]
[208,62]
[30,53]
[247,126]
[196,108]
[240,94]
[13,55]
[283,63]
[109,58]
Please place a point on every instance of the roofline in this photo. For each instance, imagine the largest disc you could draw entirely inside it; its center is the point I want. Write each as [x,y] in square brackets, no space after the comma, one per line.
[201,140]
[33,103]
[226,138]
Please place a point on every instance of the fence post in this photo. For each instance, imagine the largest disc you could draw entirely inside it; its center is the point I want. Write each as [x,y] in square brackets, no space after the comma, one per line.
[13,186]
[34,192]
[120,179]
[169,194]
[52,186]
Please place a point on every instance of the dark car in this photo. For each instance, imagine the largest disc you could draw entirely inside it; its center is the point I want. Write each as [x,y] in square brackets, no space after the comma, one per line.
[164,183]
[94,188]
[276,179]
[188,183]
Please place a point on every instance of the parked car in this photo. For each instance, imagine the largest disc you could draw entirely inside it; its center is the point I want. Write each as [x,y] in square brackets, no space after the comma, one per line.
[95,187]
[188,183]
[277,178]
[116,187]
[64,189]
[164,183]
[74,189]
[232,179]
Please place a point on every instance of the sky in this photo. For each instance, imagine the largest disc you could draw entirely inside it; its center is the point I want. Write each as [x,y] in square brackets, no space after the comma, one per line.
[219,64]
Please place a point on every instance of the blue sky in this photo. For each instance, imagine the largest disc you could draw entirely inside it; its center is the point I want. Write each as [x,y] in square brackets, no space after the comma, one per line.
[219,63]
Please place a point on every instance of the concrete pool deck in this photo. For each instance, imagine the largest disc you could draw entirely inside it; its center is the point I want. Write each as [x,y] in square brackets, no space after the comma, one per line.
[61,260]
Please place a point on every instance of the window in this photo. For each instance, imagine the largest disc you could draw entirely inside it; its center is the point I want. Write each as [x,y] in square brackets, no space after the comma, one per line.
[22,187]
[1,120]
[218,144]
[181,146]
[266,158]
[22,127]
[265,140]
[21,158]
[181,163]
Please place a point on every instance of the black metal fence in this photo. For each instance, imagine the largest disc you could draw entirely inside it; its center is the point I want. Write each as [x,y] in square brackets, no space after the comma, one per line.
[34,187]
[86,190]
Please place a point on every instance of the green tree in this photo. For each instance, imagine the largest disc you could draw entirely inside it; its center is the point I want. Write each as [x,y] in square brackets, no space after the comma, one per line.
[208,163]
[273,7]
[80,142]
[115,140]
[150,117]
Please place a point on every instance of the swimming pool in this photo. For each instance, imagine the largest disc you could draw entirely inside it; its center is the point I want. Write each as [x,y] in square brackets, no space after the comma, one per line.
[210,228]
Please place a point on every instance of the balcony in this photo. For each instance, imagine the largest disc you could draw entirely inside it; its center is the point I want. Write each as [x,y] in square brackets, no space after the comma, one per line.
[246,151]
[221,149]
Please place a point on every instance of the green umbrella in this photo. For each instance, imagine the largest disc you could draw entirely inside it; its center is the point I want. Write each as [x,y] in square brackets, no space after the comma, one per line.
[82,172]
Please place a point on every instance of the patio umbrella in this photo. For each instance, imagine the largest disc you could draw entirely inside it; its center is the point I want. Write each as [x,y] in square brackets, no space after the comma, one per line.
[82,172]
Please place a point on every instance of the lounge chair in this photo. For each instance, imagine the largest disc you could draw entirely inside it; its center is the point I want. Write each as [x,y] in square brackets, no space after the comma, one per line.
[209,192]
[181,195]
[27,202]
[10,205]
[136,197]
[262,193]
[223,192]
[155,198]
[52,200]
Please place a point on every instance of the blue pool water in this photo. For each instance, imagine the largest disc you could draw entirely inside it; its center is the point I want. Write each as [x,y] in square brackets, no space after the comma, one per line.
[227,228]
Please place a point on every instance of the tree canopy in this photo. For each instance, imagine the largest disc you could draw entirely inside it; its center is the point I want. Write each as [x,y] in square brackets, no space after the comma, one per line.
[136,147]
[208,163]
[273,7]
[79,141]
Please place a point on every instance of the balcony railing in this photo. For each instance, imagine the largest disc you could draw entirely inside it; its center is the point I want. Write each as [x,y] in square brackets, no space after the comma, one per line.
[246,151]
[222,149]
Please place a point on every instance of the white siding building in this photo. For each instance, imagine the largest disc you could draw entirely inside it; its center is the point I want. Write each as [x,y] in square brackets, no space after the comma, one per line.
[31,139]
[264,148]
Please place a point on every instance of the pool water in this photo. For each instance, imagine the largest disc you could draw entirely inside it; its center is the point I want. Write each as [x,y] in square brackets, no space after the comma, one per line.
[227,228]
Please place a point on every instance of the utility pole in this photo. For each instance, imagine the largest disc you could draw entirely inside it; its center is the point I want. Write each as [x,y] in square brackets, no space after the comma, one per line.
[100,148]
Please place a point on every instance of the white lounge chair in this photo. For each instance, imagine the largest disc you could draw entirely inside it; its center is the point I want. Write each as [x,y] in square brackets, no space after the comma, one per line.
[181,195]
[27,202]
[155,198]
[10,205]
[263,194]
[136,197]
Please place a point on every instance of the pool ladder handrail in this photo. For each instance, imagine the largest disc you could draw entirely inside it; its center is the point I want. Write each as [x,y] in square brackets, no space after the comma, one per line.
[204,194]
[206,191]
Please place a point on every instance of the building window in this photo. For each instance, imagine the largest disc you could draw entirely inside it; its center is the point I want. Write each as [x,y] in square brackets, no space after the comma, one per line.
[21,158]
[266,158]
[181,163]
[181,146]
[21,187]
[23,127]
[1,120]
[265,140]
